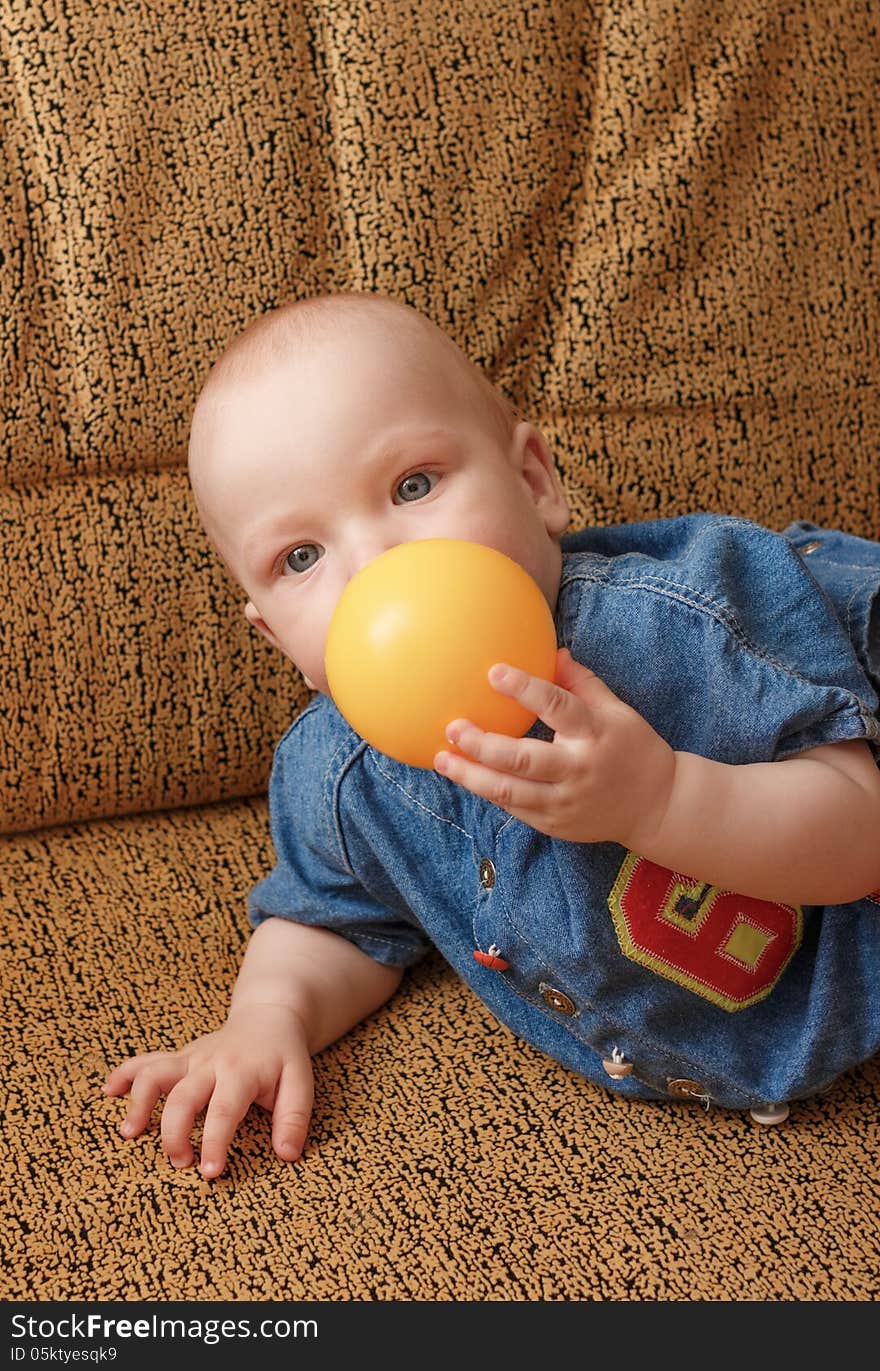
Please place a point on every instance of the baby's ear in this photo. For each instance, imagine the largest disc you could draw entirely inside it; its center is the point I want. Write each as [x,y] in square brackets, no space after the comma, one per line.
[253,617]
[533,459]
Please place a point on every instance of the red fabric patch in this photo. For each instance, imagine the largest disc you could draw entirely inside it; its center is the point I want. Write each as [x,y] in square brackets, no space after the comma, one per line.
[729,948]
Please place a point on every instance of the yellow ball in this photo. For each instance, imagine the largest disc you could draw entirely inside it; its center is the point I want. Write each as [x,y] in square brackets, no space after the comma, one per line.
[413,636]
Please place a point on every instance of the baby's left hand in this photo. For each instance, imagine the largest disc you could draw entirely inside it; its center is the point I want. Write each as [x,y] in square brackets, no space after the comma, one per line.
[606,776]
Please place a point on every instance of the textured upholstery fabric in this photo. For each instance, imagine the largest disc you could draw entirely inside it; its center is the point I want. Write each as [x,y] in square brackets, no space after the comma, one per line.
[447,1159]
[655,226]
[651,223]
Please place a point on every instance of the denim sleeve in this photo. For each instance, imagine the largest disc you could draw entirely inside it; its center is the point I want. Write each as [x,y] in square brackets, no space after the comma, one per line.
[848,570]
[311,881]
[714,629]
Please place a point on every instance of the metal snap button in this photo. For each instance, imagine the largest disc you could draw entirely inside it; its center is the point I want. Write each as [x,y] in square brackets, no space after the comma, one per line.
[810,547]
[684,1089]
[557,999]
[487,873]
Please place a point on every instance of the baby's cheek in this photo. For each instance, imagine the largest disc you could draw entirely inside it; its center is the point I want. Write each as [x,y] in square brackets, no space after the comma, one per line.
[313,674]
[304,646]
[309,666]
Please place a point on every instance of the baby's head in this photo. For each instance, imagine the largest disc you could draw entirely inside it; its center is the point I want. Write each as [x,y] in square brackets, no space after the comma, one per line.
[338,426]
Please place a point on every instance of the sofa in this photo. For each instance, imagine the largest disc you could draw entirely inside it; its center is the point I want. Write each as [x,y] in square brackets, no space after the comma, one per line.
[655,226]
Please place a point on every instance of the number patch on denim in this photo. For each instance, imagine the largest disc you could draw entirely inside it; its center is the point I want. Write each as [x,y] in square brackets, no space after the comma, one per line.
[728,948]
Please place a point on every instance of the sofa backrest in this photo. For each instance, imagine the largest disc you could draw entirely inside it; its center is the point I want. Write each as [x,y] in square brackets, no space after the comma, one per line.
[655,226]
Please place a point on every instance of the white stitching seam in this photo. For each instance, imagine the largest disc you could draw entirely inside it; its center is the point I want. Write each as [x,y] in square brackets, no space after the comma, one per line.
[718,610]
[673,591]
[868,579]
[418,803]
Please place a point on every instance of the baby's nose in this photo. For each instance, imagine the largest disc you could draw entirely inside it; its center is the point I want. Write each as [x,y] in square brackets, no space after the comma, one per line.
[369,550]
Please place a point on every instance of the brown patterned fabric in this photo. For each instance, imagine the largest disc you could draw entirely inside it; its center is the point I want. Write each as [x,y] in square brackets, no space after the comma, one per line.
[447,1160]
[655,226]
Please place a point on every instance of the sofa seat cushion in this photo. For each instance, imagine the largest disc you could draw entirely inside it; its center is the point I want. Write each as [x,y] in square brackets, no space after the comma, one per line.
[446,1161]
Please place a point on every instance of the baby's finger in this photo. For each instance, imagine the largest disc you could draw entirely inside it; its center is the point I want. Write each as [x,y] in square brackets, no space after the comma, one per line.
[120,1078]
[499,787]
[229,1104]
[156,1075]
[581,682]
[556,707]
[188,1097]
[529,757]
[292,1111]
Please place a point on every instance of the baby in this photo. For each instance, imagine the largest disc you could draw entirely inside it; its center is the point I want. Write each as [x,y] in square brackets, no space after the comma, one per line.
[666,885]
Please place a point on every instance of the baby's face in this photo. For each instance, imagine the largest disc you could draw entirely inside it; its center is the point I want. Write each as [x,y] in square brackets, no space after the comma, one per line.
[304,474]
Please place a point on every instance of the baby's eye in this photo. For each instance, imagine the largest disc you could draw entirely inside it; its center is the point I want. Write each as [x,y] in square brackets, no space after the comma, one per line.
[414,487]
[301,558]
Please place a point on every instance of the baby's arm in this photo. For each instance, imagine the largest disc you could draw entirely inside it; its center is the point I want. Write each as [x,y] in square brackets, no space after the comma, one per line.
[299,989]
[800,831]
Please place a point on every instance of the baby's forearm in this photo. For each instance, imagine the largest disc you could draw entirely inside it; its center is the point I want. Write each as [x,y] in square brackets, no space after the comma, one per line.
[801,831]
[321,977]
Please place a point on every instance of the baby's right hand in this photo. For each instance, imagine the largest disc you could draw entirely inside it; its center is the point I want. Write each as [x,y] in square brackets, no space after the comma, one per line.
[260,1055]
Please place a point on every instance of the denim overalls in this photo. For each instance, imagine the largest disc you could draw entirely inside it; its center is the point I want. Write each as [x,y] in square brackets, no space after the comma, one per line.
[734,642]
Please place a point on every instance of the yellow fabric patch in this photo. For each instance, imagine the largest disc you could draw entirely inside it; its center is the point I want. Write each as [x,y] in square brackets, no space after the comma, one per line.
[747,943]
